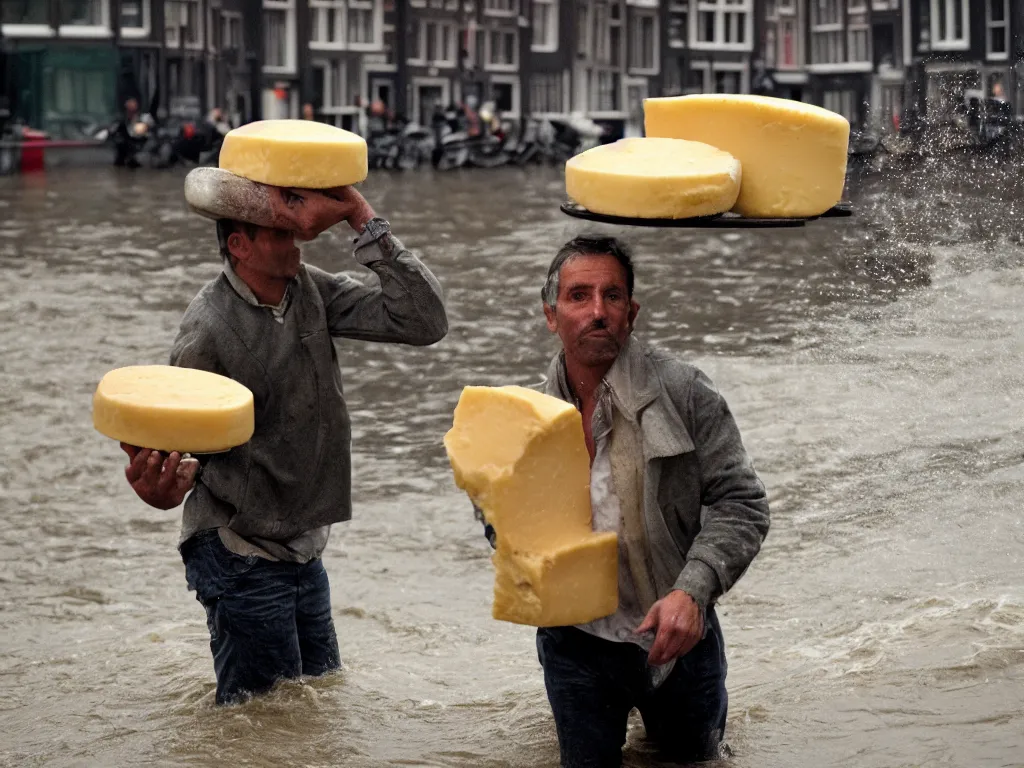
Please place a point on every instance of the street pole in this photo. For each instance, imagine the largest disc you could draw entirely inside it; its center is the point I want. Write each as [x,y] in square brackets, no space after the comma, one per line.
[401,64]
[254,57]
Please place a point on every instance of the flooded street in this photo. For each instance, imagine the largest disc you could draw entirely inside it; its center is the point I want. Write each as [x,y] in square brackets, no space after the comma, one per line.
[876,369]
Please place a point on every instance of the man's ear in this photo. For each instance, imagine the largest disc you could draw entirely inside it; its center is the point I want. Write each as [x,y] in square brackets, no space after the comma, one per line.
[239,246]
[634,310]
[549,315]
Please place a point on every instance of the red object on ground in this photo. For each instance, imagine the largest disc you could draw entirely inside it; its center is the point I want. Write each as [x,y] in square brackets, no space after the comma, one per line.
[33,153]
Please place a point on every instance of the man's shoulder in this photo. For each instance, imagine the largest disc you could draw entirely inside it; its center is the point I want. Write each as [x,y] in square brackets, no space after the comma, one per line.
[674,372]
[209,302]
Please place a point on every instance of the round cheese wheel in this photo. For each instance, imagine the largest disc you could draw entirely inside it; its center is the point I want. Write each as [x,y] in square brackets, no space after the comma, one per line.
[649,178]
[169,408]
[295,153]
[793,154]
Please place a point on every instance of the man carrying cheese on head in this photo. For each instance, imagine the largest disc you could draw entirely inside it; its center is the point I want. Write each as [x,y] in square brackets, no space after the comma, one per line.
[670,475]
[258,516]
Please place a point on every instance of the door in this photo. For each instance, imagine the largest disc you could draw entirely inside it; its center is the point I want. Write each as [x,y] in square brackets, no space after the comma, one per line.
[428,99]
[382,90]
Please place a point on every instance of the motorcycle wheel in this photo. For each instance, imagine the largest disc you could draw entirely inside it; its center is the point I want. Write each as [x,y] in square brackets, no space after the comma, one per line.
[409,159]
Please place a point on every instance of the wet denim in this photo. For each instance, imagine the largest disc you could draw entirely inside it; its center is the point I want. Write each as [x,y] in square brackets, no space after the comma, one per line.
[593,684]
[268,620]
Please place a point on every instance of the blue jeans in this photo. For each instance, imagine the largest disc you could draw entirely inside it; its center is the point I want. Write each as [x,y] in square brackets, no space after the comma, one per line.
[268,620]
[593,684]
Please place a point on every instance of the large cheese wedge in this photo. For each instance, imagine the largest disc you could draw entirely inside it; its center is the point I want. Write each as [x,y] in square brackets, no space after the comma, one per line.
[653,179]
[168,408]
[793,154]
[295,153]
[522,458]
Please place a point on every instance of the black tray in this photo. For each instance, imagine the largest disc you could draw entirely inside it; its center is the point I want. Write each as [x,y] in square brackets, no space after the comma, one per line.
[720,221]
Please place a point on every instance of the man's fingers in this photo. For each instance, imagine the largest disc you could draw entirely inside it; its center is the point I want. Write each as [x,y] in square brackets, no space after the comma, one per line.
[168,473]
[650,621]
[187,471]
[137,466]
[131,450]
[659,652]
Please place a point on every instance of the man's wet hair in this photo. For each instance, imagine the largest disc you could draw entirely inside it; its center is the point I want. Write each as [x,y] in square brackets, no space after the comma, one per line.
[594,245]
[227,227]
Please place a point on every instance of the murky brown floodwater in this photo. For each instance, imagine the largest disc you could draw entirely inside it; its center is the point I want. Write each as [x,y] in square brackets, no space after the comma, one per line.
[876,367]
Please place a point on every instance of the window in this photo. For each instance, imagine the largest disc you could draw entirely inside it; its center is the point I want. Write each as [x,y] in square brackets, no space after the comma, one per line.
[327,19]
[389,44]
[24,12]
[643,42]
[505,95]
[826,32]
[606,34]
[360,23]
[500,7]
[997,32]
[330,91]
[858,39]
[134,15]
[547,93]
[545,25]
[678,24]
[950,24]
[432,42]
[279,35]
[843,103]
[583,29]
[412,41]
[82,13]
[723,25]
[728,81]
[608,92]
[232,32]
[502,49]
[214,28]
[182,23]
[787,44]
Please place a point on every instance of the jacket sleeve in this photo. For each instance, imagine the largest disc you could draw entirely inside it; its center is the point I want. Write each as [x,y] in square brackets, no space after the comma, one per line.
[735,520]
[406,307]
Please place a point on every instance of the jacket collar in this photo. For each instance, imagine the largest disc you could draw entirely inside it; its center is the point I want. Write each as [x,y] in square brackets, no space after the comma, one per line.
[637,392]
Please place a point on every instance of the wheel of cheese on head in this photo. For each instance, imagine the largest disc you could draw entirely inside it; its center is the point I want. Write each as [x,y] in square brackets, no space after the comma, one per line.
[793,154]
[295,153]
[653,179]
[168,408]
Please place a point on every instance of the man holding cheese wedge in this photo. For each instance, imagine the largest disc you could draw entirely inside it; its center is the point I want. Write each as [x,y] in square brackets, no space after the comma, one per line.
[670,476]
[258,516]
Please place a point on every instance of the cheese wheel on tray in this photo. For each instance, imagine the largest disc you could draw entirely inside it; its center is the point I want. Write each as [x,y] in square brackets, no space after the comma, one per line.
[793,154]
[521,456]
[651,178]
[169,408]
[295,153]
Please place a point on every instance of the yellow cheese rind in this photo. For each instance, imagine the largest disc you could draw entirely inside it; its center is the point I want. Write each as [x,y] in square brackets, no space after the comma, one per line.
[295,153]
[521,456]
[570,585]
[654,178]
[793,154]
[168,408]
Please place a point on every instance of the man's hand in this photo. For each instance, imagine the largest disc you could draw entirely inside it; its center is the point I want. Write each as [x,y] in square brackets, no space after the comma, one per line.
[679,624]
[309,212]
[161,483]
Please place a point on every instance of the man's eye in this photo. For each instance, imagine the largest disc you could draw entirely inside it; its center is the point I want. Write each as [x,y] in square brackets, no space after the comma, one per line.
[577,296]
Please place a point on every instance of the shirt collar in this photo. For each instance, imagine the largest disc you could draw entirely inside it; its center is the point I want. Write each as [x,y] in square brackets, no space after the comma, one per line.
[243,290]
[625,381]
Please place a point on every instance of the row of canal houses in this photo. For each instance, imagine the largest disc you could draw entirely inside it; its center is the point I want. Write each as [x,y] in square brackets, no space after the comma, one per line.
[65,61]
